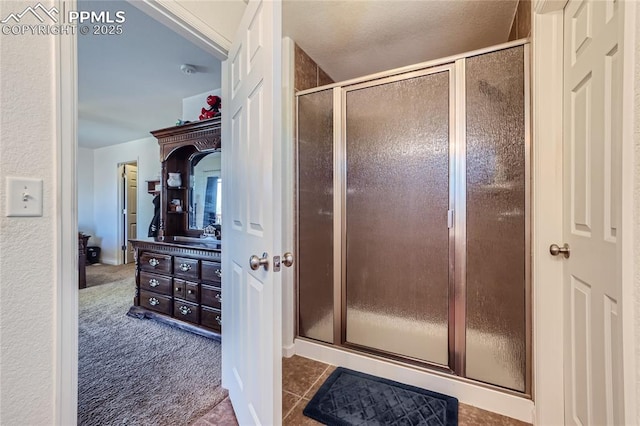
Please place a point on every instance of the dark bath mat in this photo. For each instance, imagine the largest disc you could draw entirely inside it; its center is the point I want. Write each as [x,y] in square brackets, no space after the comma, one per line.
[349,398]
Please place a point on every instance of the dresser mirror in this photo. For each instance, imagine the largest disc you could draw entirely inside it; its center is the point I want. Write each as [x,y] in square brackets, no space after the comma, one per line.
[205,190]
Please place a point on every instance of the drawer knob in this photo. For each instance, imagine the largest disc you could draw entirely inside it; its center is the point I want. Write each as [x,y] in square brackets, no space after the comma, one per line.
[190,291]
[219,273]
[219,320]
[178,290]
[219,297]
[154,302]
[184,267]
[184,310]
[154,262]
[154,283]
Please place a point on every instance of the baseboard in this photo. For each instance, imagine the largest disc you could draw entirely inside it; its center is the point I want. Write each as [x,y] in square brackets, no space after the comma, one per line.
[289,350]
[466,392]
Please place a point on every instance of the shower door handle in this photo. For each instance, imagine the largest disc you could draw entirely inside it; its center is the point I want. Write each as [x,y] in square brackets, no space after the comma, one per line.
[556,250]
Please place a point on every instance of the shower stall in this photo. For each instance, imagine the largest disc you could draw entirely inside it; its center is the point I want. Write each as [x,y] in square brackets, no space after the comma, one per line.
[413,216]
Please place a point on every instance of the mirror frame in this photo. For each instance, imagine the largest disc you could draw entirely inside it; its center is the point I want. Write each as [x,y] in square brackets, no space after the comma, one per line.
[190,198]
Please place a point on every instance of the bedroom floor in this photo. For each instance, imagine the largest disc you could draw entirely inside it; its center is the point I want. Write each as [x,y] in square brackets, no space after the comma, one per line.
[301,378]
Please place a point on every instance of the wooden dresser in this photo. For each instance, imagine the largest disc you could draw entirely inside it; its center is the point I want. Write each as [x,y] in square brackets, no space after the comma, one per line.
[179,283]
[82,259]
[178,273]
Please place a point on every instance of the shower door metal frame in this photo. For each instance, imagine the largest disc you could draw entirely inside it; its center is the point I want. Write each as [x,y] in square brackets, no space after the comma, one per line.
[457,190]
[340,212]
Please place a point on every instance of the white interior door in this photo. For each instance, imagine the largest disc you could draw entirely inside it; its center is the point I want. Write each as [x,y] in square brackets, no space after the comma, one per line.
[130,211]
[591,196]
[251,171]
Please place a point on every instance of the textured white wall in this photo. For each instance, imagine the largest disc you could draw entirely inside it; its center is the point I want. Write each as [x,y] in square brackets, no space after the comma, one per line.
[27,245]
[105,191]
[192,105]
[85,192]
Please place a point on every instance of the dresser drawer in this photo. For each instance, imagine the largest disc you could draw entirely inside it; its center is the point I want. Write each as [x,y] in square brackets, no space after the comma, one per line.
[186,268]
[150,261]
[211,318]
[211,296]
[156,302]
[155,282]
[192,292]
[211,271]
[186,290]
[186,311]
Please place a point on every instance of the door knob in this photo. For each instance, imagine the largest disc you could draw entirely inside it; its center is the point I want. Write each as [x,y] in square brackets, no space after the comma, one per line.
[555,250]
[255,262]
[287,259]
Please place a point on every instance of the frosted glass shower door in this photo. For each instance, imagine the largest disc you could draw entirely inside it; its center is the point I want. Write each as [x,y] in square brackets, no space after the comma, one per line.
[315,215]
[397,137]
[496,184]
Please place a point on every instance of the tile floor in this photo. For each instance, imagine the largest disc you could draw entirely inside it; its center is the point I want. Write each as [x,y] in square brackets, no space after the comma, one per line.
[221,415]
[301,378]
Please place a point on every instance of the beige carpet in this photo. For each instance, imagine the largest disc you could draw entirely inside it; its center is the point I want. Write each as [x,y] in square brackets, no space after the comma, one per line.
[99,273]
[138,371]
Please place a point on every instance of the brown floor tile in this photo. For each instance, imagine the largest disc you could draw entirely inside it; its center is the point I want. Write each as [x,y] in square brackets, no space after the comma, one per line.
[221,415]
[298,374]
[201,422]
[297,418]
[473,416]
[289,401]
[314,388]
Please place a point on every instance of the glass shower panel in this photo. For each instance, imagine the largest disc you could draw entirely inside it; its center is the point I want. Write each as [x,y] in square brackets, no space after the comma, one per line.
[495,276]
[315,215]
[397,196]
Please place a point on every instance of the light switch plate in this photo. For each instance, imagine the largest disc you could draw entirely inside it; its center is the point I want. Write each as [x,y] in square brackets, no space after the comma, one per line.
[24,197]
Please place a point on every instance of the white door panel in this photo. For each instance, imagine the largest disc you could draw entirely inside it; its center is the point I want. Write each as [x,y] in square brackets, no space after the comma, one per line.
[131,202]
[592,106]
[251,331]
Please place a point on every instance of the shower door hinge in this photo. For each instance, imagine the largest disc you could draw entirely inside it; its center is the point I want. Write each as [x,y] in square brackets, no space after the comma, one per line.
[450,218]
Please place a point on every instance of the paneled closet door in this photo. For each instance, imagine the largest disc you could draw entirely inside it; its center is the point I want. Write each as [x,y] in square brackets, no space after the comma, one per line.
[397,136]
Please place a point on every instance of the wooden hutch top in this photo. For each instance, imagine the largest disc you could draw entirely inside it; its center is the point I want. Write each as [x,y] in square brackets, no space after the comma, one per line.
[204,135]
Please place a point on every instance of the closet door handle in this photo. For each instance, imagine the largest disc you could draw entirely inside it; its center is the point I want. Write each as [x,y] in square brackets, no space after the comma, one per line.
[556,250]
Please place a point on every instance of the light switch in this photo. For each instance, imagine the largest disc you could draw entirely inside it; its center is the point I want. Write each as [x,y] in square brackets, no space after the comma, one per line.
[24,196]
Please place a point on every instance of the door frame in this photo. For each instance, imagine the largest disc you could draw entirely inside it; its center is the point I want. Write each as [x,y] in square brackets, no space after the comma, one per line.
[547,204]
[66,125]
[547,137]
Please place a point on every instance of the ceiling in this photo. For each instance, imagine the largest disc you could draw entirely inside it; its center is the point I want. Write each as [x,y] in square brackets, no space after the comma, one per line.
[130,84]
[353,38]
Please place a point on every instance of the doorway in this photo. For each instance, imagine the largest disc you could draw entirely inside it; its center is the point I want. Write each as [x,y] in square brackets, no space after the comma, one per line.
[128,208]
[127,170]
